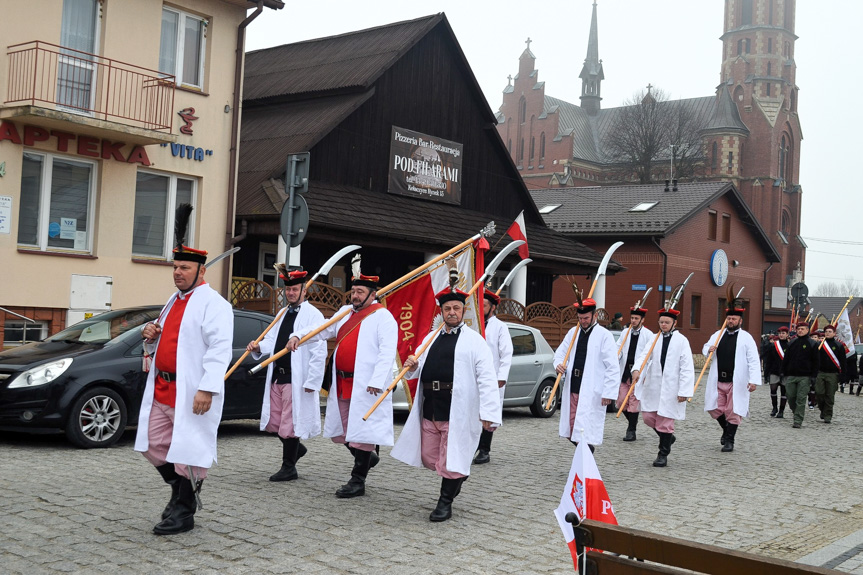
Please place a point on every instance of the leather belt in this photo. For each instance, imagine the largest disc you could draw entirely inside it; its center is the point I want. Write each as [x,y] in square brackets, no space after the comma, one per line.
[167,376]
[437,385]
[344,374]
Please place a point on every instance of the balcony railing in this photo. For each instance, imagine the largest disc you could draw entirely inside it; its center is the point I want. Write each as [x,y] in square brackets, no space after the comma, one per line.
[90,85]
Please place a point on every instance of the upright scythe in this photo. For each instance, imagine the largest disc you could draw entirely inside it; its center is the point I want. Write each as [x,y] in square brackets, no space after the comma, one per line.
[489,271]
[603,266]
[715,343]
[638,304]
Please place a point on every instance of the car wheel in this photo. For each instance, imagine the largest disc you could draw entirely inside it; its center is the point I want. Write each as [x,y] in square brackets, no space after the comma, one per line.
[537,408]
[97,418]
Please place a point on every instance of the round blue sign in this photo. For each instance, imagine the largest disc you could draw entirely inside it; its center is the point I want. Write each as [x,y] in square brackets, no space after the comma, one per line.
[53,229]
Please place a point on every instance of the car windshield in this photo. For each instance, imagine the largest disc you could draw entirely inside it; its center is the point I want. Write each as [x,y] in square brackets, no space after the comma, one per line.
[105,327]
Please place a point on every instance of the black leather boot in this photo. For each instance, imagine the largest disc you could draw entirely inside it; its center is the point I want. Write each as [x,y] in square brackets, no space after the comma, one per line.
[375,457]
[290,454]
[722,423]
[632,418]
[484,448]
[356,485]
[449,488]
[773,400]
[182,517]
[782,401]
[665,441]
[172,478]
[730,432]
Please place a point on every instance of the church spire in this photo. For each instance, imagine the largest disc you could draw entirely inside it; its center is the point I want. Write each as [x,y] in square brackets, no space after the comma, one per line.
[591,73]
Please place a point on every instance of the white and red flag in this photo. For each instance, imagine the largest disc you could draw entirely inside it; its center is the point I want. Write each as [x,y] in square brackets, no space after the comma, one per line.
[584,495]
[415,308]
[518,231]
[844,332]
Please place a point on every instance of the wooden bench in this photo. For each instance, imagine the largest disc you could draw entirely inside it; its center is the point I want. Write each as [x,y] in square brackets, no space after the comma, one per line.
[668,555]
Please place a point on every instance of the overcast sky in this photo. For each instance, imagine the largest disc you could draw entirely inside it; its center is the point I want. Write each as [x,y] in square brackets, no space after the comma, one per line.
[672,44]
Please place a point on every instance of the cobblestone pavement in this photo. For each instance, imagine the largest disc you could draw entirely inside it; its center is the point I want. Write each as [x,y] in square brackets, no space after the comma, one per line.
[783,492]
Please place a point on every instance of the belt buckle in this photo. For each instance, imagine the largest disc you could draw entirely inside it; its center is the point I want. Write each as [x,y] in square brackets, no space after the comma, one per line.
[576,373]
[435,385]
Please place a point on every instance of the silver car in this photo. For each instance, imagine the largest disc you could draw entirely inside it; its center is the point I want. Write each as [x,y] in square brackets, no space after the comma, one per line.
[531,376]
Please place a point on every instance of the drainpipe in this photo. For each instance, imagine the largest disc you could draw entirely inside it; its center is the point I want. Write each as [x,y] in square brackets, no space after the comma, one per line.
[664,270]
[763,291]
[233,153]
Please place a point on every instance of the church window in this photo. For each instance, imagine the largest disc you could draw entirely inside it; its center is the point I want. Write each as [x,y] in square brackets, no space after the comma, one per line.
[532,147]
[509,145]
[521,150]
[770,14]
[793,100]
[770,45]
[740,47]
[788,24]
[730,162]
[768,89]
[740,159]
[714,157]
[522,110]
[783,150]
[746,13]
[748,45]
[769,69]
[542,146]
[784,224]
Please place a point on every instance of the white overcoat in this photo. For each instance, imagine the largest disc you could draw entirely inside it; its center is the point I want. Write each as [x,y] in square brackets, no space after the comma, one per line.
[474,398]
[500,343]
[307,372]
[747,369]
[376,354]
[657,390]
[601,381]
[645,338]
[204,350]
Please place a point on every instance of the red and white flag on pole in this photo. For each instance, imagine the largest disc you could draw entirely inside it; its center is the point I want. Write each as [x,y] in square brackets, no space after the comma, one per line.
[584,495]
[518,231]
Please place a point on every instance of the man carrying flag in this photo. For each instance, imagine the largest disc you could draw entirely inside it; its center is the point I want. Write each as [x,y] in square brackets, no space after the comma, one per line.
[832,364]
[585,495]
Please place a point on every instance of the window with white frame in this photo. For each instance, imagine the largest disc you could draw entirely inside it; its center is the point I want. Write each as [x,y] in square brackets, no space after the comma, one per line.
[181,50]
[20,332]
[156,198]
[56,207]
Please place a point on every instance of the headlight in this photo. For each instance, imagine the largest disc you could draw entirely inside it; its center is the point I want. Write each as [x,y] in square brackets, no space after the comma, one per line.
[42,374]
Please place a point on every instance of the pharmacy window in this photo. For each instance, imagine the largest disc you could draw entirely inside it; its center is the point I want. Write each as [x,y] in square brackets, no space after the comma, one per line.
[156,198]
[56,207]
[182,47]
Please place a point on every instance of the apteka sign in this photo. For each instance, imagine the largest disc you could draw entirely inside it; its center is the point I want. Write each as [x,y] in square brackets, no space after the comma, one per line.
[426,167]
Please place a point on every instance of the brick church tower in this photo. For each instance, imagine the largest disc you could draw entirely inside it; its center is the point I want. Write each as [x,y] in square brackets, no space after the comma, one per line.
[761,156]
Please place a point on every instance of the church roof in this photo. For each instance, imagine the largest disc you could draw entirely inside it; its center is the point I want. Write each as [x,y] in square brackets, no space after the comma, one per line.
[589,133]
[609,210]
[725,116]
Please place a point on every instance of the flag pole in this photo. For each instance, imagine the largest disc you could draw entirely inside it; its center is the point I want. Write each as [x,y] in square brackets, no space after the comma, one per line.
[489,229]
[850,297]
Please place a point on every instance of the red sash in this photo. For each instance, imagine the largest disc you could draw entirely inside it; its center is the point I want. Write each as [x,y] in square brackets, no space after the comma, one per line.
[832,356]
[779,349]
[346,360]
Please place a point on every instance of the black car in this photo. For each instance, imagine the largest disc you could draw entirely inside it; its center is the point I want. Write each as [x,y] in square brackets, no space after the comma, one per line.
[88,379]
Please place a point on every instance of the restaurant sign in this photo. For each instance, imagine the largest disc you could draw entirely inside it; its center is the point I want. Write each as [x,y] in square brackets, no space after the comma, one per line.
[426,167]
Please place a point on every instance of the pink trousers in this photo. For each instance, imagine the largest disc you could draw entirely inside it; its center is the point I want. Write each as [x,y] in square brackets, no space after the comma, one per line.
[433,451]
[159,435]
[633,405]
[725,403]
[281,410]
[573,406]
[658,422]
[344,410]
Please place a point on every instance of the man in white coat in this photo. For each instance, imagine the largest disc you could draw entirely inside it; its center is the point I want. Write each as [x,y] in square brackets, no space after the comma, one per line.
[291,407]
[500,343]
[734,373]
[366,341]
[666,384]
[591,379]
[191,346]
[634,339]
[456,399]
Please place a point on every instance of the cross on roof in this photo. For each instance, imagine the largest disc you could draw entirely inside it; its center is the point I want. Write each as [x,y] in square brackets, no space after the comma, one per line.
[528,41]
[649,86]
[509,80]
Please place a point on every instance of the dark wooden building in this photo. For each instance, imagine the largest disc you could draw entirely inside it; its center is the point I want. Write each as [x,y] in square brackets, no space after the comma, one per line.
[340,98]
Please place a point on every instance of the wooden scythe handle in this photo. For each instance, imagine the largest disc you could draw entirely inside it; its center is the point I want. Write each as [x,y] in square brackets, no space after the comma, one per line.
[640,373]
[260,337]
